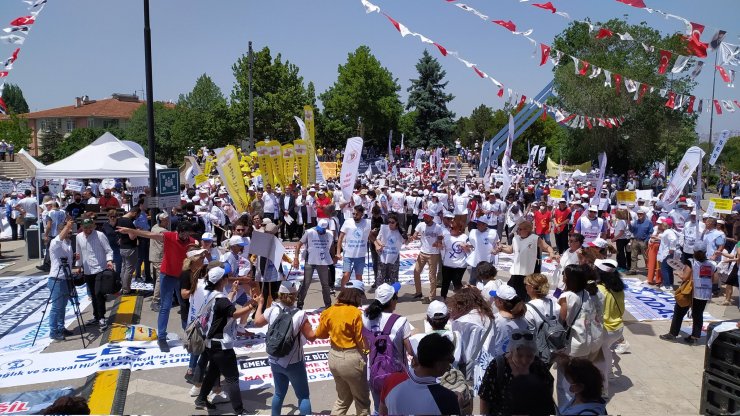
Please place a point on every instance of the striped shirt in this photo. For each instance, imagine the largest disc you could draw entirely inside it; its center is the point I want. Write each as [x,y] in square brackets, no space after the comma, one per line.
[94,251]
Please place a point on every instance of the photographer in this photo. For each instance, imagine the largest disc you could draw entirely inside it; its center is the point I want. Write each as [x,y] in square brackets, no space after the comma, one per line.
[60,254]
[94,255]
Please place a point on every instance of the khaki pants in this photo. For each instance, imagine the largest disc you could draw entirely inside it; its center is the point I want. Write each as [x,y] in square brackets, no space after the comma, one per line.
[349,369]
[421,261]
[155,276]
[638,248]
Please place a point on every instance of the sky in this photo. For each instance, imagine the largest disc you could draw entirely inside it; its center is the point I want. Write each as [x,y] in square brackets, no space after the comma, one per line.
[96,47]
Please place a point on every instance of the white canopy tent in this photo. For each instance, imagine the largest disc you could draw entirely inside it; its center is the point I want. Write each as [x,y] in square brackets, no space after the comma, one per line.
[106,157]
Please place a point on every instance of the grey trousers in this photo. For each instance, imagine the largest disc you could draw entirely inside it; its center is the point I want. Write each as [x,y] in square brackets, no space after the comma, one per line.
[129,260]
[323,278]
[155,276]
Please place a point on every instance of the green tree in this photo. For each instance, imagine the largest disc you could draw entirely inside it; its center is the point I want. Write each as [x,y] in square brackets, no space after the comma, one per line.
[202,116]
[15,130]
[480,126]
[278,92]
[169,149]
[651,131]
[434,121]
[363,100]
[49,141]
[407,127]
[13,97]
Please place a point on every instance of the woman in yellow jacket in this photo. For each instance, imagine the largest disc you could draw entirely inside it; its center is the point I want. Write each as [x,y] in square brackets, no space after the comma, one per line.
[342,324]
[612,288]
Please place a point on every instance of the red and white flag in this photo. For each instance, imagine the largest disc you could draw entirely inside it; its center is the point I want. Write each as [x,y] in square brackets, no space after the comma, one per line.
[507,24]
[604,33]
[665,58]
[546,6]
[690,108]
[717,107]
[545,53]
[584,68]
[12,58]
[640,4]
[694,44]
[723,73]
[617,83]
[23,20]
[3,106]
[671,100]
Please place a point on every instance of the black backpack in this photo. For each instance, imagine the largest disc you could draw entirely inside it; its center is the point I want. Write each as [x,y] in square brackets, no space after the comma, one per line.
[280,336]
[550,336]
[108,282]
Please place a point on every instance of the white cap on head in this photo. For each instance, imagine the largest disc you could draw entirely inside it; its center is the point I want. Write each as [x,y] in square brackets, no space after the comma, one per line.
[593,208]
[607,265]
[288,286]
[384,293]
[504,292]
[195,252]
[236,241]
[215,274]
[207,237]
[355,284]
[437,309]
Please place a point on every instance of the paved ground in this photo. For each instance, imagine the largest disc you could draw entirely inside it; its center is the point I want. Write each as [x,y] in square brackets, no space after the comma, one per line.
[656,377]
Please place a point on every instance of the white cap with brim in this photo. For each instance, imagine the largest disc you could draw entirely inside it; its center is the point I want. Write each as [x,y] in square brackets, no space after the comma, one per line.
[323,224]
[437,309]
[288,287]
[504,292]
[195,252]
[384,293]
[215,274]
[236,241]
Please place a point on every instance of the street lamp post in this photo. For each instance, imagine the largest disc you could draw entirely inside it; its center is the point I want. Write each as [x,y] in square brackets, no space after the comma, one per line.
[149,100]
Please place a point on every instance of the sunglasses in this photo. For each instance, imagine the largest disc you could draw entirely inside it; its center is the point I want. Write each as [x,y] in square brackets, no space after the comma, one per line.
[240,229]
[392,222]
[518,335]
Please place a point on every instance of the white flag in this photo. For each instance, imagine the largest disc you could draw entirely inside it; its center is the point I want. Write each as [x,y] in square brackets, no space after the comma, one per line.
[607,78]
[630,85]
[541,157]
[719,146]
[350,163]
[532,155]
[680,64]
[602,171]
[625,36]
[506,161]
[691,159]
[14,39]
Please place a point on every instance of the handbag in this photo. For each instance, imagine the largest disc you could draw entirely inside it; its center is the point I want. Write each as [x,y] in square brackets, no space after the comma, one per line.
[685,293]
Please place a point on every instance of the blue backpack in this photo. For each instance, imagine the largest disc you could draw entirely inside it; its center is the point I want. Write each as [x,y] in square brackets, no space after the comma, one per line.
[383,354]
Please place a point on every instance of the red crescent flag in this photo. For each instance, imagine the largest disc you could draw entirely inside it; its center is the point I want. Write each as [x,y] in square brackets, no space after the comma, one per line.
[507,24]
[567,119]
[588,123]
[3,106]
[725,76]
[643,90]
[640,4]
[671,103]
[500,92]
[4,74]
[691,105]
[617,83]
[584,68]
[23,21]
[441,48]
[604,33]
[521,102]
[546,6]
[479,72]
[694,44]
[665,57]
[717,107]
[545,53]
[14,56]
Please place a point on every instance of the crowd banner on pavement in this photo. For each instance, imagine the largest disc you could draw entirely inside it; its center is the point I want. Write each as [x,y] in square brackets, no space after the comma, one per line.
[646,303]
[685,169]
[255,373]
[310,142]
[31,402]
[231,176]
[350,164]
[625,197]
[301,157]
[719,146]
[554,169]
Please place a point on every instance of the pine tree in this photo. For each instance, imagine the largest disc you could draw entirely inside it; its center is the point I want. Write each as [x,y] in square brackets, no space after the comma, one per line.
[434,122]
[13,97]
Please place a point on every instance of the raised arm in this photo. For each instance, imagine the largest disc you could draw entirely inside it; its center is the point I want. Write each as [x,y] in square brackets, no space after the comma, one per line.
[141,233]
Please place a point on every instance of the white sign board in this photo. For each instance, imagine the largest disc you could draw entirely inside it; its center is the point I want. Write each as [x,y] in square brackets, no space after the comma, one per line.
[6,187]
[74,185]
[21,187]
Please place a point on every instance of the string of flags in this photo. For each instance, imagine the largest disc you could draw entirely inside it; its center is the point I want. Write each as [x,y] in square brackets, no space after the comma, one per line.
[17,32]
[675,100]
[561,116]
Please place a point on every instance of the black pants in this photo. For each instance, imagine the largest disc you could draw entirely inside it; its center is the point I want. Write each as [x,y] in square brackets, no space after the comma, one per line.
[561,240]
[516,281]
[624,260]
[288,231]
[222,362]
[375,259]
[697,316]
[269,289]
[13,229]
[452,275]
[98,299]
[413,220]
[143,258]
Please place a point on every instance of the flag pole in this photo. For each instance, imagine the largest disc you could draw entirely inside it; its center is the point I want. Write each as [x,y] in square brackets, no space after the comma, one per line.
[149,100]
[250,60]
[711,105]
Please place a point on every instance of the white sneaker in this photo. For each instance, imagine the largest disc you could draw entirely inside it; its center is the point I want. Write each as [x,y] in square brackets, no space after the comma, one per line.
[194,391]
[220,397]
[622,348]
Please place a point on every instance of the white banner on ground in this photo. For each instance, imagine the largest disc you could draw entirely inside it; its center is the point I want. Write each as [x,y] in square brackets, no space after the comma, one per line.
[645,303]
[22,301]
[718,147]
[255,372]
[350,163]
[685,169]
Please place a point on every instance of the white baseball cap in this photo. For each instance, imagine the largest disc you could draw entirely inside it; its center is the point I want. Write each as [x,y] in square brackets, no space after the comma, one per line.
[215,274]
[437,309]
[384,293]
[207,237]
[288,286]
[236,241]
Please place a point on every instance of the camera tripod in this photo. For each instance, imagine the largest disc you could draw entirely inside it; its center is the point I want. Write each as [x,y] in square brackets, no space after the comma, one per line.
[72,290]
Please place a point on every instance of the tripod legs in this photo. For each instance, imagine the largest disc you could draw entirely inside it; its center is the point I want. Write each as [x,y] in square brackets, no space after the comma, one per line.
[67,291]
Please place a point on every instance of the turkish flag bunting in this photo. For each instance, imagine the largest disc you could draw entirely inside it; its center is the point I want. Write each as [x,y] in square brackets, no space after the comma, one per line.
[617,83]
[643,90]
[588,123]
[507,24]
[604,33]
[545,53]
[4,74]
[717,107]
[736,103]
[479,72]
[14,56]
[584,68]
[23,21]
[691,105]
[725,76]
[521,102]
[544,112]
[3,106]
[671,100]
[546,6]
[608,123]
[441,48]
[694,44]
[567,119]
[395,23]
[665,58]
[500,93]
[634,3]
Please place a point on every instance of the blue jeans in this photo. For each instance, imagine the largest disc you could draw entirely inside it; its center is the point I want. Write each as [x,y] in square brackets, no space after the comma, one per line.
[353,263]
[59,295]
[296,375]
[666,273]
[168,285]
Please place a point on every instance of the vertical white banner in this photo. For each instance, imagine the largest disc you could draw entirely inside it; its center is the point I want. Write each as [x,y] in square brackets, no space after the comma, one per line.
[719,146]
[506,161]
[602,171]
[541,158]
[532,155]
[691,159]
[350,163]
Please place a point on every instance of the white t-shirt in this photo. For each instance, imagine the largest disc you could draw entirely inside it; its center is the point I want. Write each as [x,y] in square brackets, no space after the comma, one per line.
[543,305]
[428,236]
[621,225]
[392,241]
[502,333]
[397,200]
[30,206]
[317,246]
[591,229]
[269,201]
[400,331]
[668,242]
[689,236]
[454,255]
[197,300]
[461,204]
[453,336]
[296,353]
[483,243]
[413,202]
[485,290]
[355,238]
[702,274]
[525,255]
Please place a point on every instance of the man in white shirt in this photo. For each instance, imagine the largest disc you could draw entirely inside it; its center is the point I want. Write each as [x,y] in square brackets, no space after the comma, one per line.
[524,247]
[484,241]
[460,206]
[94,255]
[318,241]
[398,205]
[668,245]
[270,203]
[413,208]
[590,225]
[28,207]
[352,244]
[689,236]
[431,235]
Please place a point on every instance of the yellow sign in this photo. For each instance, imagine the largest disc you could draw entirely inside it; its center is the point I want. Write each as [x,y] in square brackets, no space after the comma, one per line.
[231,176]
[329,169]
[263,156]
[199,179]
[301,157]
[311,142]
[288,162]
[722,206]
[556,193]
[553,169]
[208,166]
[275,152]
[625,197]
